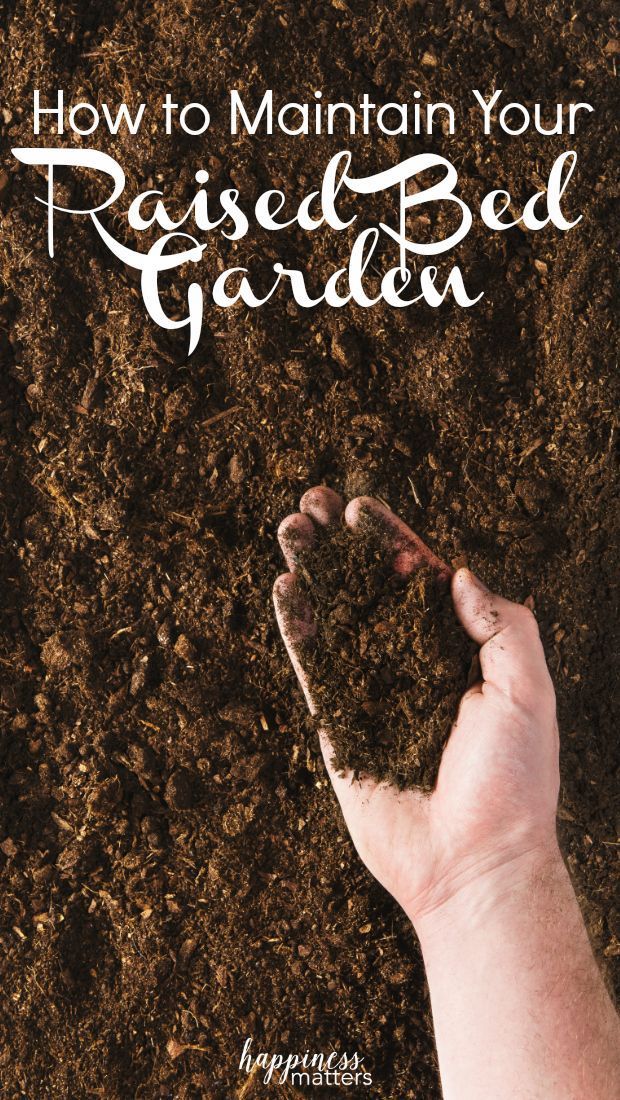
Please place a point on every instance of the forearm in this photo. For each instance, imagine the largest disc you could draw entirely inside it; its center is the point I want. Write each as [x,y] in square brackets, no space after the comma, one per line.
[519,1007]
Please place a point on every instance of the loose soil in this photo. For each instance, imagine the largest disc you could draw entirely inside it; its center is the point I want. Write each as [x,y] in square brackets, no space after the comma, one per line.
[174,872]
[389,661]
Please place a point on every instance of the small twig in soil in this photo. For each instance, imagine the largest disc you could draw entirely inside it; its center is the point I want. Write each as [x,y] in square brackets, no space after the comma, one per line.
[220,416]
[247,1085]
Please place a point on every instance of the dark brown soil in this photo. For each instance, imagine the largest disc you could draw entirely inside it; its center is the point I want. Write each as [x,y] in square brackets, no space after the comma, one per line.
[173,868]
[389,662]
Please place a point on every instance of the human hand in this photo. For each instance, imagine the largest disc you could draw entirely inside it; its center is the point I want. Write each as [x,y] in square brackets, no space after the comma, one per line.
[495,801]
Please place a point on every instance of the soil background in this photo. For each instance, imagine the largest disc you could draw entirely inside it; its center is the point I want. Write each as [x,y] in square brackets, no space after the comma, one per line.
[174,875]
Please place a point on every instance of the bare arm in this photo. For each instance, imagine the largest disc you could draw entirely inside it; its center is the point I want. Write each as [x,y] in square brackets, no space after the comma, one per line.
[519,1007]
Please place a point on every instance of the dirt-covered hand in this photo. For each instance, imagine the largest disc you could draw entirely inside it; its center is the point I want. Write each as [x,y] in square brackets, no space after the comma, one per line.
[496,794]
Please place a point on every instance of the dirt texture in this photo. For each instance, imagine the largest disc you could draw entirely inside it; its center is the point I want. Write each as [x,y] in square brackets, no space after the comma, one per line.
[389,661]
[174,873]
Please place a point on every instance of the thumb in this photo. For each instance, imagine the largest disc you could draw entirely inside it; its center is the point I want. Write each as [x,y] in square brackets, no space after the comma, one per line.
[511,654]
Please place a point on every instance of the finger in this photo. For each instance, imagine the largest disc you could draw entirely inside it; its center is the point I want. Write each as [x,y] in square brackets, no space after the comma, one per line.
[409,552]
[296,624]
[323,505]
[512,657]
[295,534]
[297,628]
[338,779]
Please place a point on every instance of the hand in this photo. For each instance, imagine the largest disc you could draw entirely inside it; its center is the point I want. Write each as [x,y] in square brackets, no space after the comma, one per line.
[495,801]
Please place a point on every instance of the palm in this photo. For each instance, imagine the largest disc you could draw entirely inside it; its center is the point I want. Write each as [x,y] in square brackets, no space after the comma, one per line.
[415,844]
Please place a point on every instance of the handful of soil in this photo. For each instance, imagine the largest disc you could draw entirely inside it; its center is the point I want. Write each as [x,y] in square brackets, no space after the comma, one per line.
[389,663]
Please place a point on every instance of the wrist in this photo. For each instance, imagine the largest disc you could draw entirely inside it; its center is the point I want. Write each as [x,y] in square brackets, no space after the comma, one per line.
[482,894]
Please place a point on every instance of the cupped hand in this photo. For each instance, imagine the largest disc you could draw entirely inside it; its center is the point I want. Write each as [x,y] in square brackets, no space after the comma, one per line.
[495,800]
